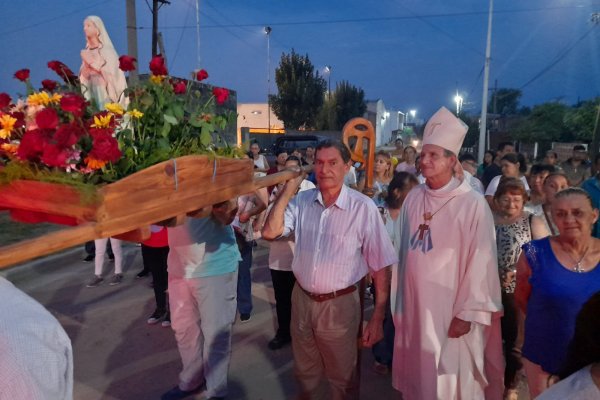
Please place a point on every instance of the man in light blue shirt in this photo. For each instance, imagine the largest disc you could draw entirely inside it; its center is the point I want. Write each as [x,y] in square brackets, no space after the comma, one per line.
[203,261]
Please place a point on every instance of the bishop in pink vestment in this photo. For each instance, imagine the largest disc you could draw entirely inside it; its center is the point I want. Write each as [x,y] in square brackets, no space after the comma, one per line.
[446,299]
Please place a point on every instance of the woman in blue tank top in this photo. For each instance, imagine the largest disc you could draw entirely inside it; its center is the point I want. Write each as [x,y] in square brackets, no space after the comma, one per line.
[555,277]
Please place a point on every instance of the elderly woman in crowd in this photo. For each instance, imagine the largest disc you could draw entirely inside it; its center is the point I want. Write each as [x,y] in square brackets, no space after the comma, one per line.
[513,166]
[514,228]
[382,176]
[555,277]
[554,183]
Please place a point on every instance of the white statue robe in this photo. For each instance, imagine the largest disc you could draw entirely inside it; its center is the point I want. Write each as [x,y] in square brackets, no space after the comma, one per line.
[457,277]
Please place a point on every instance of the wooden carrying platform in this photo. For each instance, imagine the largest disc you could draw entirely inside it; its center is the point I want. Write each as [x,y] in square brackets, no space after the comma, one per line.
[126,208]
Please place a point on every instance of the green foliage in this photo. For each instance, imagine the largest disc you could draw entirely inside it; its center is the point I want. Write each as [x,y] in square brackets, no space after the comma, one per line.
[505,101]
[300,92]
[472,137]
[545,123]
[347,102]
[581,119]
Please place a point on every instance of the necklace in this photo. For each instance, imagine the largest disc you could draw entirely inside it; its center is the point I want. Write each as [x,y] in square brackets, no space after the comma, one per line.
[577,267]
[428,216]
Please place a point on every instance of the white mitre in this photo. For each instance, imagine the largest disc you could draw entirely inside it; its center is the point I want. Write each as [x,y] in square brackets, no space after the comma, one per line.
[445,130]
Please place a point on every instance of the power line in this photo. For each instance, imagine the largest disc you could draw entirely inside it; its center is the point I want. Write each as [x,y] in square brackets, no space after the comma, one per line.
[371,19]
[443,32]
[46,21]
[558,58]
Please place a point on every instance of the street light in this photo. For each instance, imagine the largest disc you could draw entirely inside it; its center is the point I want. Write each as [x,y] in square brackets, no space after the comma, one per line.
[412,113]
[268,33]
[459,102]
[328,70]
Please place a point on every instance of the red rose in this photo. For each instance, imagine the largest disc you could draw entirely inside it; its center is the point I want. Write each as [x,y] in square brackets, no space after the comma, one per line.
[221,95]
[4,100]
[32,145]
[68,134]
[63,71]
[49,84]
[54,155]
[201,75]
[105,148]
[20,119]
[179,87]
[47,119]
[127,63]
[73,103]
[157,65]
[22,74]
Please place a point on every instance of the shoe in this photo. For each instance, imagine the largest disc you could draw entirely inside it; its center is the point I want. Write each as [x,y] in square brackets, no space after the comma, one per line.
[278,342]
[157,316]
[167,321]
[96,281]
[116,279]
[244,317]
[380,369]
[177,394]
[142,273]
[89,258]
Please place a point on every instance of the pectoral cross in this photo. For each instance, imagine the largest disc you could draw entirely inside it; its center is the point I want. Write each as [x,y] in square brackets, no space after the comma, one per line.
[422,229]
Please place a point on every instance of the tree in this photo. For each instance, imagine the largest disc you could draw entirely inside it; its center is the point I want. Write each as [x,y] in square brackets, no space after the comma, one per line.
[544,124]
[300,92]
[347,102]
[505,101]
[581,119]
[472,136]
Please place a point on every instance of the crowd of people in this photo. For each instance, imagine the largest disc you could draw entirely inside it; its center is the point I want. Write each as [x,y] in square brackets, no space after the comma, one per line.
[480,274]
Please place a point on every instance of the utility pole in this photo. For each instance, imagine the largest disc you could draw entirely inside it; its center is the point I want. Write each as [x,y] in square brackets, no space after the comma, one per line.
[268,31]
[155,7]
[596,134]
[132,49]
[486,78]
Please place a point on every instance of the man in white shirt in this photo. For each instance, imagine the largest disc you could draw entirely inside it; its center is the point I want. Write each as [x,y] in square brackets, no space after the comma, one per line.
[340,237]
[36,358]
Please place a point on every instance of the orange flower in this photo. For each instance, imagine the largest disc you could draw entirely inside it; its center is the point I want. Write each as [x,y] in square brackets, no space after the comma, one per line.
[10,147]
[93,163]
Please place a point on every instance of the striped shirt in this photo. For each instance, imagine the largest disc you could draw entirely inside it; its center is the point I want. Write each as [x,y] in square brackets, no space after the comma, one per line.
[337,245]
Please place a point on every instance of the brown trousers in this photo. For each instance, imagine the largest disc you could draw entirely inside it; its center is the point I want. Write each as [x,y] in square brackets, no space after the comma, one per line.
[324,346]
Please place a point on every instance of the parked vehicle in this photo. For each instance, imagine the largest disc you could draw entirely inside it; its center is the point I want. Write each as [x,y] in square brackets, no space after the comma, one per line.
[291,142]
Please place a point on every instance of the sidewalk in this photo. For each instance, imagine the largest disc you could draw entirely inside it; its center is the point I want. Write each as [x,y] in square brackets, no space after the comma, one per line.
[118,356]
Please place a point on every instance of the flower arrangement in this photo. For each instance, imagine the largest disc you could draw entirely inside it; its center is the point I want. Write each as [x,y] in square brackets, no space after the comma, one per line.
[55,135]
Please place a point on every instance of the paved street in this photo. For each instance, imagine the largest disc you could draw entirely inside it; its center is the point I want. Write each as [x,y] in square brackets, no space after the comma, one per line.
[118,356]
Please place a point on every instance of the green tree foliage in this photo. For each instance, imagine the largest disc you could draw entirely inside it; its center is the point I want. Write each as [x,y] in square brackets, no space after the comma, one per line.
[347,102]
[581,118]
[505,101]
[545,123]
[472,137]
[300,92]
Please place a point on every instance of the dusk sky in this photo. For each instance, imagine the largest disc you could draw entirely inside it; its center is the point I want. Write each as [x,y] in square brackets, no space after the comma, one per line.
[412,54]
